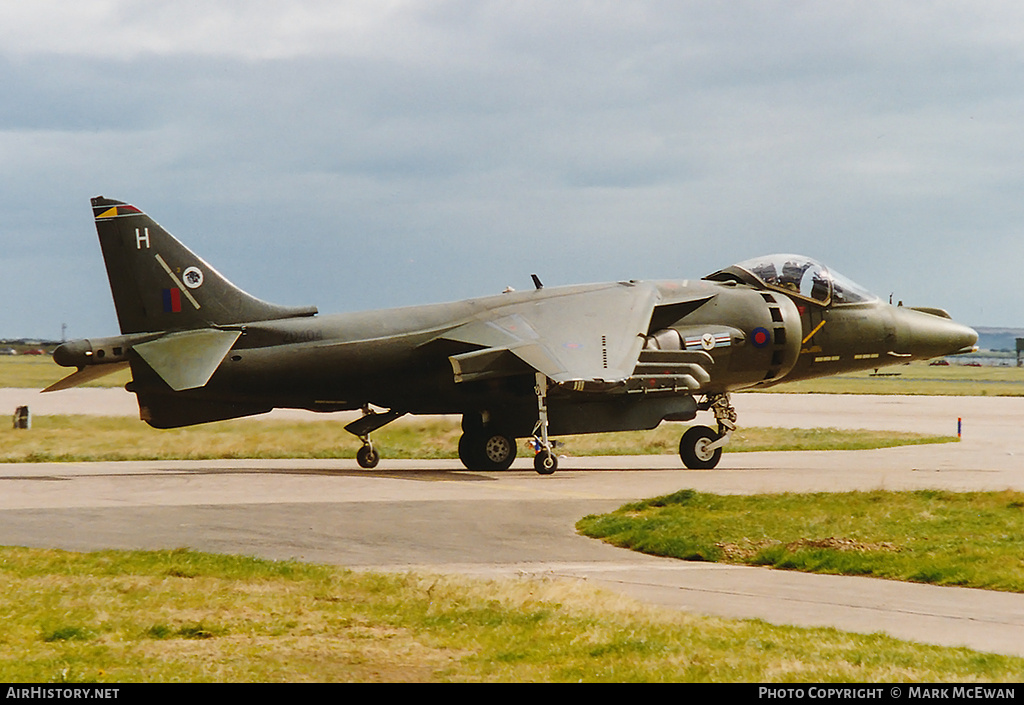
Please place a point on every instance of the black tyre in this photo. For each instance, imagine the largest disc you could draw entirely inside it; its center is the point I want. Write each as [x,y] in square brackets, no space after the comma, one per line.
[367,457]
[693,448]
[545,462]
[467,446]
[486,450]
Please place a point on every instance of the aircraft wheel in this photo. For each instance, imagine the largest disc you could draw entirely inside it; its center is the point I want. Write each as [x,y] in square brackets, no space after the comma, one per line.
[499,450]
[545,462]
[367,457]
[693,448]
[466,446]
[485,450]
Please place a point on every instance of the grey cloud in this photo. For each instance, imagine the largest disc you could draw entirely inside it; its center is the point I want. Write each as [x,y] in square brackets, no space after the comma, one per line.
[430,150]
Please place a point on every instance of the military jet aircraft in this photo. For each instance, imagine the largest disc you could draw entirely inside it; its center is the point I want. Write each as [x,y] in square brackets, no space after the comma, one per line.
[616,356]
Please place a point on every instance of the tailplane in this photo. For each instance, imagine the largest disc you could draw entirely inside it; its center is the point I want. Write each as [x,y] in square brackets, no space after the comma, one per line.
[158,284]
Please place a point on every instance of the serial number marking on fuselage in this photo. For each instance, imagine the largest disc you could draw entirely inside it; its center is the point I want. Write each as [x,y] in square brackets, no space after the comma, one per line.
[303,336]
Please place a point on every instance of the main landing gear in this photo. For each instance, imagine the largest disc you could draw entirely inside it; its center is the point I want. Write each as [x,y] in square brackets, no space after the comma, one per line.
[481,448]
[701,447]
[486,447]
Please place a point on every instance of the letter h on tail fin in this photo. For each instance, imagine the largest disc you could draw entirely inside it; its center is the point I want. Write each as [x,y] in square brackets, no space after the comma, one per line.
[176,312]
[158,284]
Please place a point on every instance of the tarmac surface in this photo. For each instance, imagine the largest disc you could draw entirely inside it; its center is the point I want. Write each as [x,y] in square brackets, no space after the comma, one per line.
[436,516]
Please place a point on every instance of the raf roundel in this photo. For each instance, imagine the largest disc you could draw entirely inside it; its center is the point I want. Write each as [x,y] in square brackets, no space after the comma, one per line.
[193,277]
[761,337]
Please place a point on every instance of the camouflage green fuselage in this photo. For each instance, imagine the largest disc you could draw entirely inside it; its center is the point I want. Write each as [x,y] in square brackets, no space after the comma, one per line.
[400,359]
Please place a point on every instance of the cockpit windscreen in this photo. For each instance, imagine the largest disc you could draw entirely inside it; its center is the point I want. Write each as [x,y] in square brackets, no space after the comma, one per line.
[795,274]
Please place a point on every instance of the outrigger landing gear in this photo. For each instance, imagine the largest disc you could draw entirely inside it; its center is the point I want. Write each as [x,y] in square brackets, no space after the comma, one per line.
[545,461]
[701,447]
[370,421]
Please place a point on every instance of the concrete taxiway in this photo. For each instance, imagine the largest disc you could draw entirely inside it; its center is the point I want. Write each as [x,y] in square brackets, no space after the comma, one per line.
[432,515]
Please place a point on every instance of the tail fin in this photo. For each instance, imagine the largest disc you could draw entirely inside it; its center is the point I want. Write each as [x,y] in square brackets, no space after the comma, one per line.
[158,284]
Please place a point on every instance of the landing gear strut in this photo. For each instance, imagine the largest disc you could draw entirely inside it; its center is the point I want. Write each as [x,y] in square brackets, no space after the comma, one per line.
[701,447]
[484,446]
[545,461]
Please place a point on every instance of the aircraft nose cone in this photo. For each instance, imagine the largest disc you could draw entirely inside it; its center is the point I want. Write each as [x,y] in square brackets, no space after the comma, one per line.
[925,335]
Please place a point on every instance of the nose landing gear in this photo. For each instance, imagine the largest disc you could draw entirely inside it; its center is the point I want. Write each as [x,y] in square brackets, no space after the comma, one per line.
[700,448]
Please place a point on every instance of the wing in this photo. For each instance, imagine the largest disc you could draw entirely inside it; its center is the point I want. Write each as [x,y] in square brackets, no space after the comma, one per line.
[579,334]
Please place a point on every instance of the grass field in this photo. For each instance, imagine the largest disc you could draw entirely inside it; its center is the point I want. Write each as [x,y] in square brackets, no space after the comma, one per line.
[37,372]
[972,539]
[181,616]
[93,438]
[918,378]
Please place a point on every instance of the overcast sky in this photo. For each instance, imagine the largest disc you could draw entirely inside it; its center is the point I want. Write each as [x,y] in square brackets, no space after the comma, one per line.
[357,155]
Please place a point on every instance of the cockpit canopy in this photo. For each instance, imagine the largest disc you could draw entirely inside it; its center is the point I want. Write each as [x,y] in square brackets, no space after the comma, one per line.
[797,276]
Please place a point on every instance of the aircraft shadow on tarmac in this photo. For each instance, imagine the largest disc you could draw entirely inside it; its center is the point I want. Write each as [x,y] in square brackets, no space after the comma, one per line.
[406,473]
[420,474]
